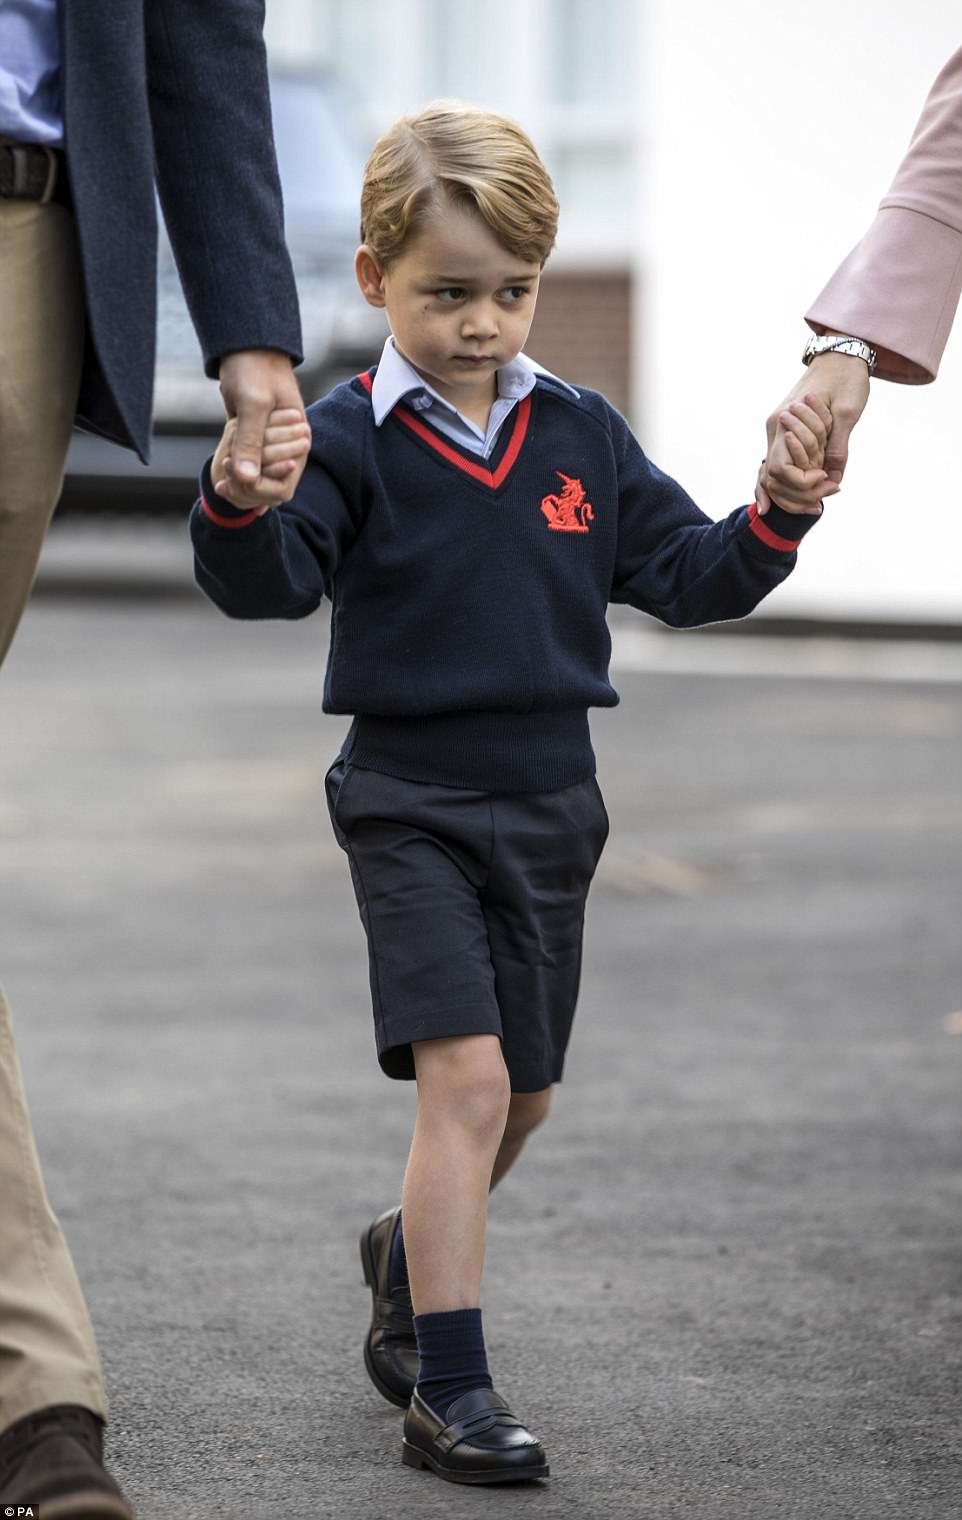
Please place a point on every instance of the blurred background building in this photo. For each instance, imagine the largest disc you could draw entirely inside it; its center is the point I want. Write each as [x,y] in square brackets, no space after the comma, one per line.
[714,164]
[565,69]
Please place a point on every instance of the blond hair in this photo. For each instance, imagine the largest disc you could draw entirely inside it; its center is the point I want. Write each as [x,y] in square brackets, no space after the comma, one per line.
[469,157]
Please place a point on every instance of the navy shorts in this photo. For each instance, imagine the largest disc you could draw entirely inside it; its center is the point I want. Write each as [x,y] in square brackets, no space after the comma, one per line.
[473,904]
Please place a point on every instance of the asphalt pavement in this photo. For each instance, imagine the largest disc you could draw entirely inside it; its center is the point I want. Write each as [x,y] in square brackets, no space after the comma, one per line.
[724,1283]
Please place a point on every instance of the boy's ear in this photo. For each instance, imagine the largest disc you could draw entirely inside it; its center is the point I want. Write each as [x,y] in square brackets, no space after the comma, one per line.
[369,276]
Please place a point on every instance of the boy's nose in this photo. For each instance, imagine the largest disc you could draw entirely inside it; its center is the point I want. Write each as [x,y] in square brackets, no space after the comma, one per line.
[480,322]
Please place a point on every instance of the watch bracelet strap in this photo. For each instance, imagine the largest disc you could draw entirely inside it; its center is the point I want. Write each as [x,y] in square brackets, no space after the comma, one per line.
[857,348]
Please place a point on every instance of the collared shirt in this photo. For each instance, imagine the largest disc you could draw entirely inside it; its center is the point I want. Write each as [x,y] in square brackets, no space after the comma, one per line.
[397,380]
[30,95]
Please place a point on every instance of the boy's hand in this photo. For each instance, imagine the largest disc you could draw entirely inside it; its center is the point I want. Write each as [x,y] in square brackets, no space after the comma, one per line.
[287,441]
[793,475]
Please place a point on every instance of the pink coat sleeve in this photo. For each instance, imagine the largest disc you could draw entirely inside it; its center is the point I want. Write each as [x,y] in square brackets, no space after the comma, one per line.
[899,287]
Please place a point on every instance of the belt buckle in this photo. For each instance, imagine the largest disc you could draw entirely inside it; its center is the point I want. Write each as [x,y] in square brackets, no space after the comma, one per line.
[20,154]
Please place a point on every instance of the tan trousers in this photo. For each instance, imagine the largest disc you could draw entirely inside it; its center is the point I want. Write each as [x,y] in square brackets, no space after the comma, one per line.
[47,1350]
[41,345]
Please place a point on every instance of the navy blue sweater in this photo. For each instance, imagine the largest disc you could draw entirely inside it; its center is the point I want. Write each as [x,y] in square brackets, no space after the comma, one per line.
[468,632]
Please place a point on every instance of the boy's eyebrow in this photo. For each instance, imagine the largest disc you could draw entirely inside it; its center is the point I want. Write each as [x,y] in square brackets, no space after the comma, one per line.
[450,279]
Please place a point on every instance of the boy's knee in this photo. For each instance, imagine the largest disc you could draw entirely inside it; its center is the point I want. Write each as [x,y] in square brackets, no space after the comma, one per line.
[467,1078]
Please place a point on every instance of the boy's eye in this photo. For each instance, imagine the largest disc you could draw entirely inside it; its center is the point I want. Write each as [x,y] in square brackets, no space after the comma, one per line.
[515,292]
[451,293]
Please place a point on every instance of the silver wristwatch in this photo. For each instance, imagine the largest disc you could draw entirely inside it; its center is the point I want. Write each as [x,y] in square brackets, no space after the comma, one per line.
[853,346]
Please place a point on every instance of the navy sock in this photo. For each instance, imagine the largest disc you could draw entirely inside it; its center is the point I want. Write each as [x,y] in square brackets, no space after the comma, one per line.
[452,1357]
[397,1267]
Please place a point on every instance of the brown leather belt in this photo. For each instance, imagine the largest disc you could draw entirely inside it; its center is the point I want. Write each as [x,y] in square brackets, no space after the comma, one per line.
[29,172]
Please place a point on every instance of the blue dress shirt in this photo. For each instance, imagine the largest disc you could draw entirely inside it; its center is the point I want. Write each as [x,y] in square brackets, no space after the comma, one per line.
[30,96]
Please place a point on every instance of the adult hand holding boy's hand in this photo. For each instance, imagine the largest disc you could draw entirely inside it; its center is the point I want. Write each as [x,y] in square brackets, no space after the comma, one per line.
[285,445]
[793,475]
[256,384]
[840,382]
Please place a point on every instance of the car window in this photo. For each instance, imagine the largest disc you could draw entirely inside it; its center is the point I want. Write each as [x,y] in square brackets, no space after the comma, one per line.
[320,165]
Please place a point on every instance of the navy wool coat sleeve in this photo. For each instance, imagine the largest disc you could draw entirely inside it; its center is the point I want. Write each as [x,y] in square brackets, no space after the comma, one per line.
[172,92]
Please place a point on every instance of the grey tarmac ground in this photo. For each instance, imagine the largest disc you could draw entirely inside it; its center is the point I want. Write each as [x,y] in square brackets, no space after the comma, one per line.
[724,1283]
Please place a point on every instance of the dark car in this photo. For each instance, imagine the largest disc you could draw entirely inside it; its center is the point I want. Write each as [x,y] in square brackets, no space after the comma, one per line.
[320,166]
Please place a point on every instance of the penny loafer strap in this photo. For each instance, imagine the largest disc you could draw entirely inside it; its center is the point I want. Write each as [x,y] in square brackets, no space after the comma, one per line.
[397,1316]
[478,1423]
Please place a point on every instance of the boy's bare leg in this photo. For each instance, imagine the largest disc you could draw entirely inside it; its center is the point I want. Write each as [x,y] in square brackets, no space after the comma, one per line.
[452,1276]
[525,1112]
[463,1101]
[456,1422]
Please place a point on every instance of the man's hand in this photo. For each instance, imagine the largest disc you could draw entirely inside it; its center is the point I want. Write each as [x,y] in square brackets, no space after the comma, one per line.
[840,382]
[255,383]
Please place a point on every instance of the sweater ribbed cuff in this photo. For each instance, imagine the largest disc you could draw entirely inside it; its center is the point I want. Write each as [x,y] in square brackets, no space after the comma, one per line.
[779,529]
[218,511]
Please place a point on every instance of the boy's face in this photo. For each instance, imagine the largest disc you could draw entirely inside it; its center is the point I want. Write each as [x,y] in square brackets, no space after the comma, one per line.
[458,303]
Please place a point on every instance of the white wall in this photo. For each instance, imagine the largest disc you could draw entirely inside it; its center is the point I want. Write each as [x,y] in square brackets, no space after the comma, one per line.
[773,132]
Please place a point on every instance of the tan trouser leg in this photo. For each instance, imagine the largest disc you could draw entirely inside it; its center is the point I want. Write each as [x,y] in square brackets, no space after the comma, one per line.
[47,1350]
[41,345]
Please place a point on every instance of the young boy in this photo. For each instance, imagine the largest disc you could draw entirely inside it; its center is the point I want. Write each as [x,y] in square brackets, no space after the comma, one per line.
[470,516]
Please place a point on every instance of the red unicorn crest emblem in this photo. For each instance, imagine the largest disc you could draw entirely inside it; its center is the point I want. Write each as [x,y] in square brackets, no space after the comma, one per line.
[568,512]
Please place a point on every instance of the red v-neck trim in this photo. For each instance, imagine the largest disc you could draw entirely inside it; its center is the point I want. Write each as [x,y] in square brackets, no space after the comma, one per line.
[491,478]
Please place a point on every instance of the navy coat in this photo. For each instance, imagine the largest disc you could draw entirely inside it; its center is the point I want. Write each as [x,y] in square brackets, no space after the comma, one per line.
[172,91]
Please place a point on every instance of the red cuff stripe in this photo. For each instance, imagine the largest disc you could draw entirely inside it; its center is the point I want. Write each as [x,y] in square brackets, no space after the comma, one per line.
[227,522]
[761,530]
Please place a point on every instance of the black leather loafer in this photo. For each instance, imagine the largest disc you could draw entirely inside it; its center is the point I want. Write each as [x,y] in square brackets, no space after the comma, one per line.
[391,1348]
[481,1443]
[51,1463]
